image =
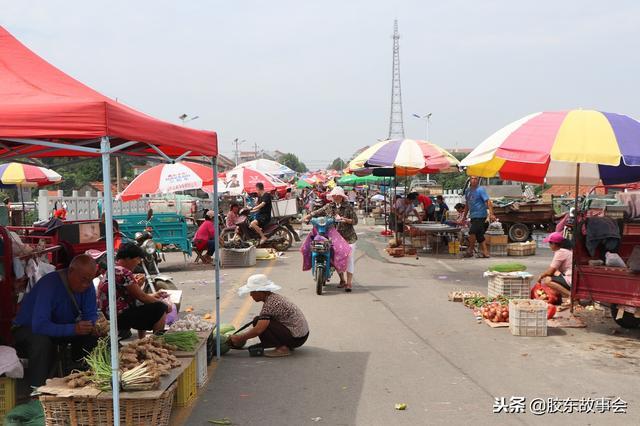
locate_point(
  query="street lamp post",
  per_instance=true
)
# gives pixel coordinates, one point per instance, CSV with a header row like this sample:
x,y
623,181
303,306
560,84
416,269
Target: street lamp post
x,y
427,119
237,143
185,118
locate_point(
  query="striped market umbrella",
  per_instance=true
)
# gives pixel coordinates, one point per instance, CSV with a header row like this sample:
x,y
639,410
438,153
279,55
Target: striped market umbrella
x,y
168,178
27,175
244,179
562,147
407,156
268,166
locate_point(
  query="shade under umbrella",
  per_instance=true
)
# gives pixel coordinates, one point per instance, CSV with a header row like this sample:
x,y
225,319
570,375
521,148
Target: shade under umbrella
x,y
168,178
558,147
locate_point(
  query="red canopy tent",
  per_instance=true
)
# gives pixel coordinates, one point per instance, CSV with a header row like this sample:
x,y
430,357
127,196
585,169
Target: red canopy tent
x,y
38,101
46,113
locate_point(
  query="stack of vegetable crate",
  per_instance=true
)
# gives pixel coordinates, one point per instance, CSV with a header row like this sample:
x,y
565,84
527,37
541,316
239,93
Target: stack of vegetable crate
x,y
7,396
509,285
528,317
195,375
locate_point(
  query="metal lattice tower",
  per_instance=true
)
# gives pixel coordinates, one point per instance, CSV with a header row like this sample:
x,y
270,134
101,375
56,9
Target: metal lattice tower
x,y
396,124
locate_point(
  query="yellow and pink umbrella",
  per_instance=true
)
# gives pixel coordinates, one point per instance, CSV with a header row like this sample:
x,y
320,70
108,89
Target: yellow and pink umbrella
x,y
27,175
562,147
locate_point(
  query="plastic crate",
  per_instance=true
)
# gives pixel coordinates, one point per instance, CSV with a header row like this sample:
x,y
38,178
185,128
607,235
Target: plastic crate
x,y
201,366
522,249
238,257
528,317
510,286
282,208
7,396
454,247
186,392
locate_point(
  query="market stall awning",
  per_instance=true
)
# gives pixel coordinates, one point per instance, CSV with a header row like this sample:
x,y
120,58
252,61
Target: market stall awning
x,y
38,101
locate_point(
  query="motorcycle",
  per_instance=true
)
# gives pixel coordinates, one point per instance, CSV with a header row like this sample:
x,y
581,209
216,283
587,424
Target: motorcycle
x,y
149,265
286,222
321,252
278,236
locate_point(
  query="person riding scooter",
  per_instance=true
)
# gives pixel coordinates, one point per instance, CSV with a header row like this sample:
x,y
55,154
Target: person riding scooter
x,y
263,210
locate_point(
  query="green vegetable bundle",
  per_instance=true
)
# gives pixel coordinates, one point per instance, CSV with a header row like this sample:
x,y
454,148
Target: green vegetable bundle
x,y
508,267
99,361
183,340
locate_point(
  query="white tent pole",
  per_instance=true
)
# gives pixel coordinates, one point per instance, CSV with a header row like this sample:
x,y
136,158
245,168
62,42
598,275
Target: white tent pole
x,y
111,276
216,225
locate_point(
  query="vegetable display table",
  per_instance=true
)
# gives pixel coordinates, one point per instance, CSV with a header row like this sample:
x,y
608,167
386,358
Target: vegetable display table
x,y
438,230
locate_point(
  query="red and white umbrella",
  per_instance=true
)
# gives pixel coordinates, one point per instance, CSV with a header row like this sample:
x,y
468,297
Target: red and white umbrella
x,y
167,178
244,179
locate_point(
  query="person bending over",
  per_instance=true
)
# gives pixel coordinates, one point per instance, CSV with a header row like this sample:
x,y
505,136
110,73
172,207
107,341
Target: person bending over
x,y
280,325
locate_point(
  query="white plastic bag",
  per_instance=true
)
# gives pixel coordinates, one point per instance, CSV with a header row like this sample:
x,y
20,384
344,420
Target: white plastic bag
x,y
614,260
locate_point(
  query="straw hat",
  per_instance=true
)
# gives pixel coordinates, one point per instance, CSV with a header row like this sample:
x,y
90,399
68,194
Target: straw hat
x,y
258,282
337,191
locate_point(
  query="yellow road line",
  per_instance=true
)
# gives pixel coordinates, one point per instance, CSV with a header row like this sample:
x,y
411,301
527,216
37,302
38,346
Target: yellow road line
x,y
180,415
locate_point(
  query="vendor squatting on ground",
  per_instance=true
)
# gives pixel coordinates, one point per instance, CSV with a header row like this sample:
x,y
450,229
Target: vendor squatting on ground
x,y
280,325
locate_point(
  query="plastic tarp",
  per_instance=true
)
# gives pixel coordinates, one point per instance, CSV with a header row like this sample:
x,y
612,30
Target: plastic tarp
x,y
38,101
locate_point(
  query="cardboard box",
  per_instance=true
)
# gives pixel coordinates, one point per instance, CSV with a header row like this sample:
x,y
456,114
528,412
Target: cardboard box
x,y
496,239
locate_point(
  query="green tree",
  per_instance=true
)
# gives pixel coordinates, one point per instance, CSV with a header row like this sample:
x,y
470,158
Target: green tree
x,y
337,164
76,175
293,162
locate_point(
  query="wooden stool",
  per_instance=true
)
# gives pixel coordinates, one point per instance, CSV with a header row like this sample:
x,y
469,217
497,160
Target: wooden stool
x,y
199,254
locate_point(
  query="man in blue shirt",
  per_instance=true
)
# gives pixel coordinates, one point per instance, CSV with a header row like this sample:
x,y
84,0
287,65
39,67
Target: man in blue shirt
x,y
477,206
61,308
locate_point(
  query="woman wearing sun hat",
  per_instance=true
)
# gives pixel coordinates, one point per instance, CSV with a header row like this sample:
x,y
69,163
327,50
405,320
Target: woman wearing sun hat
x,y
346,218
280,325
558,275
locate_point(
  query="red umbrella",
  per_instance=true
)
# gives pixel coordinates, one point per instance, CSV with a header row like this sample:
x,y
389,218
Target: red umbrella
x,y
166,178
244,179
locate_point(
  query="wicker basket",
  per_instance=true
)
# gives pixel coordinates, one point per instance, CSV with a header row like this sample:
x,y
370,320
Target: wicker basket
x,y
528,317
498,249
92,411
522,249
509,286
7,396
238,257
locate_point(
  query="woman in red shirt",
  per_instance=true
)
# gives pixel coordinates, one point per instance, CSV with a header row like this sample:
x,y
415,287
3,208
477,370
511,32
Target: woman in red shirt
x,y
205,237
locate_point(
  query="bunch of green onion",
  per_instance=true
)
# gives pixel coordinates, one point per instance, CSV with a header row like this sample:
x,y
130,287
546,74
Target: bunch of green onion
x,y
99,361
140,377
183,340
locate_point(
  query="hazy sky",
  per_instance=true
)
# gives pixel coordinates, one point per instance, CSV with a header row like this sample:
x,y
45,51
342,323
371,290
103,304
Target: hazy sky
x,y
314,77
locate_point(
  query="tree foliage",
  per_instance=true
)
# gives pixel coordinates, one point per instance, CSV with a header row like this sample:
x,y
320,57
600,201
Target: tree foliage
x,y
337,164
452,180
293,162
75,176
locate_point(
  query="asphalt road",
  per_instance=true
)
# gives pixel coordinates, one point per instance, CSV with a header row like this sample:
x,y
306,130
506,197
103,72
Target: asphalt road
x,y
396,339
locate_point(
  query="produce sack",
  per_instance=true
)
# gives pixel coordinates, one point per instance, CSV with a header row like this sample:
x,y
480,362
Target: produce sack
x,y
546,293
